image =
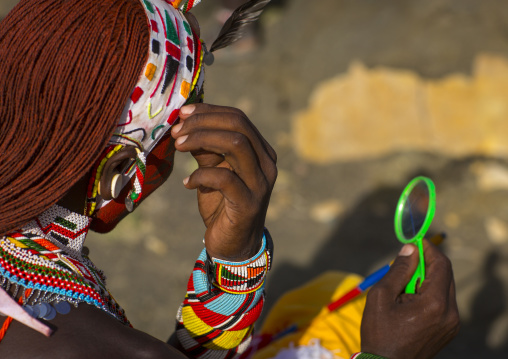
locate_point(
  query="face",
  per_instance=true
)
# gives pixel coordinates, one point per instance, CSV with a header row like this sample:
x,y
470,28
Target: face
x,y
159,165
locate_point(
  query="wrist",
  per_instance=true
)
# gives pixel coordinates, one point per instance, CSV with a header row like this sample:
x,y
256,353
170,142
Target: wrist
x,y
241,277
234,248
217,317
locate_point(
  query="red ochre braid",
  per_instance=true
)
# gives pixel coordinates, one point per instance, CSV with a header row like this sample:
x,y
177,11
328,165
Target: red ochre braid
x,y
68,69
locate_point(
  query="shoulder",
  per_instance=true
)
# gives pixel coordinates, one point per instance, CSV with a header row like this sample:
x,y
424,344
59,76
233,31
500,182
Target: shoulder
x,y
86,332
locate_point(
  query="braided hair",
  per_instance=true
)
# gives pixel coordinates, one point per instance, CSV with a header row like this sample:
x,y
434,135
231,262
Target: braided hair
x,y
67,68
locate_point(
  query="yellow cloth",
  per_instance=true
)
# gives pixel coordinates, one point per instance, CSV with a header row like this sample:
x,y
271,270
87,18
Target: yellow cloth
x,y
337,331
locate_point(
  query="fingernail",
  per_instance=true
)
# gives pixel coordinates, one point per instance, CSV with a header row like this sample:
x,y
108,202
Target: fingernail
x,y
187,110
177,128
407,250
186,180
181,140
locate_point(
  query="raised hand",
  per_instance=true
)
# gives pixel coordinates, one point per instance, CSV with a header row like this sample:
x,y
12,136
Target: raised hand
x,y
235,178
398,325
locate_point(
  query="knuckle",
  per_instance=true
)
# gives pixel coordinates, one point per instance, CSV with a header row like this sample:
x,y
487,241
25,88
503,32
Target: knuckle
x,y
262,185
238,112
272,152
272,175
235,116
445,264
456,326
435,308
454,321
197,174
238,140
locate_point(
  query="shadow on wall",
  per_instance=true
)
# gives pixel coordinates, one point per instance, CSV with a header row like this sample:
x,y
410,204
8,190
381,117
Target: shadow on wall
x,y
363,238
363,241
483,331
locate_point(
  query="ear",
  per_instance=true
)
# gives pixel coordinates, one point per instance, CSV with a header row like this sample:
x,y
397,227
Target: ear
x,y
112,171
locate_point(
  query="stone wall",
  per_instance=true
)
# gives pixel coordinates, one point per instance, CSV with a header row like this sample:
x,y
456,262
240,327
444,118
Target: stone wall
x,y
366,113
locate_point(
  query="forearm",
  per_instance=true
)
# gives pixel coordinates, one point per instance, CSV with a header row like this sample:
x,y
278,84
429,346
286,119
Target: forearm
x,y
223,301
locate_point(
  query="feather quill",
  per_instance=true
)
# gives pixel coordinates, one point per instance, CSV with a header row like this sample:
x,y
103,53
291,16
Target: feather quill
x,y
234,27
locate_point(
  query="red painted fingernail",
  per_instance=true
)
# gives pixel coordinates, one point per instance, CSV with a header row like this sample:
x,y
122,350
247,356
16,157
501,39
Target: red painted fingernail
x,y
187,110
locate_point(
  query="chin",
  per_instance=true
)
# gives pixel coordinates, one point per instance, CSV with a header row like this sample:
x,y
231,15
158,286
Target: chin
x,y
105,219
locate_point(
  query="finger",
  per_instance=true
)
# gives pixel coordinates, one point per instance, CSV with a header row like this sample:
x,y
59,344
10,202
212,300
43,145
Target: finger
x,y
400,273
234,146
232,123
223,112
222,180
207,158
439,273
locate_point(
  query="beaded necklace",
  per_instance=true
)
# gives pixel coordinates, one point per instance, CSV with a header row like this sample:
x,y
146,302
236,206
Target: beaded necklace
x,y
46,257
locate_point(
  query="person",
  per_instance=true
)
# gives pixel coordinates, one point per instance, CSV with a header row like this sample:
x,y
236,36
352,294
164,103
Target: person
x,y
90,96
95,99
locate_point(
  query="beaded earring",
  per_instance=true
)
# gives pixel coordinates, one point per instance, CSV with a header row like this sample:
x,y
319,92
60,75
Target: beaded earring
x,y
95,179
136,192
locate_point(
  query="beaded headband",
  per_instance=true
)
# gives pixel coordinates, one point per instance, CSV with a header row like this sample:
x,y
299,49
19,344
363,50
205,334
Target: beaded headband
x,y
173,76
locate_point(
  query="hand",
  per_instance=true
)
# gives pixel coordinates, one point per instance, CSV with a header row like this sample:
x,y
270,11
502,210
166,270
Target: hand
x,y
234,180
398,325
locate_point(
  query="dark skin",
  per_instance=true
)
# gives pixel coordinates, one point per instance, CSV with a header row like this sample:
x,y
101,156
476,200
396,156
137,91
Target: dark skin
x,y
236,174
400,326
234,180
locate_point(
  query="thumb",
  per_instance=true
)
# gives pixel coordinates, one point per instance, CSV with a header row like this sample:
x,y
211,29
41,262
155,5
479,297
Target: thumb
x,y
401,271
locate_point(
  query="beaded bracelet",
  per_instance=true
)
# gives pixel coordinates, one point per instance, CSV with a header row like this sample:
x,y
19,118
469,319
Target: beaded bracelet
x,y
217,316
366,356
242,277
195,348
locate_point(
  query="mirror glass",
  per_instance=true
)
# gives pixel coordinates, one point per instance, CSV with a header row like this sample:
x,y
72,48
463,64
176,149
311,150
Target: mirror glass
x,y
415,210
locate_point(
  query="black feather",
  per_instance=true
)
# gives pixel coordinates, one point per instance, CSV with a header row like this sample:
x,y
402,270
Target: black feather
x,y
234,27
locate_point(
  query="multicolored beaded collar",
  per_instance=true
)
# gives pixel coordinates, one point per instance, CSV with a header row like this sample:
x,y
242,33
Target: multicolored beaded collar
x,y
46,256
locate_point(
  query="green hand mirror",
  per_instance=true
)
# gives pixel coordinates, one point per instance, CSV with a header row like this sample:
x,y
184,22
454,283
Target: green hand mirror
x,y
413,216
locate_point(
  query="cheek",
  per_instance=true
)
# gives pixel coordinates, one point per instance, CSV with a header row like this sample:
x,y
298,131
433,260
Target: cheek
x,y
159,165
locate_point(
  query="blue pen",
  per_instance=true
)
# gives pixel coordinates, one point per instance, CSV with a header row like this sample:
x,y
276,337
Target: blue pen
x,y
360,288
374,278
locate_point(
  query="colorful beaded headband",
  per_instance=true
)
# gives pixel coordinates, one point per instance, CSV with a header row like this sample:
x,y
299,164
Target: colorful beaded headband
x,y
184,5
173,74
